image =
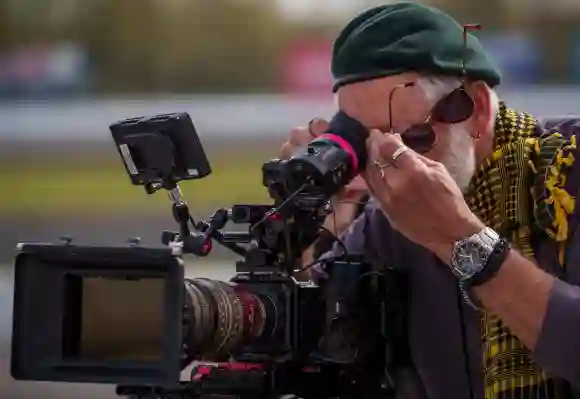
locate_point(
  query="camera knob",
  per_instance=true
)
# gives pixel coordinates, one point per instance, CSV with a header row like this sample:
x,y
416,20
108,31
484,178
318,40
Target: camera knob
x,y
169,237
134,241
66,239
197,244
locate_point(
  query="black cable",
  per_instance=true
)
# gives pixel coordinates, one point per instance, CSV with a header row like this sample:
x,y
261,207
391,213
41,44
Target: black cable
x,y
332,258
464,342
336,239
361,203
279,207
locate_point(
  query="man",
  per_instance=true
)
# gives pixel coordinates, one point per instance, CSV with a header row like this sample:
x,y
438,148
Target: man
x,y
487,316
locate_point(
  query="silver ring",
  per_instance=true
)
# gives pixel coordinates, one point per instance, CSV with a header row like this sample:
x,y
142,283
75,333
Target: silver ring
x,y
397,154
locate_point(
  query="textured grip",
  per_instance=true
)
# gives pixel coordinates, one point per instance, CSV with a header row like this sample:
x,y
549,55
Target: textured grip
x,y
353,132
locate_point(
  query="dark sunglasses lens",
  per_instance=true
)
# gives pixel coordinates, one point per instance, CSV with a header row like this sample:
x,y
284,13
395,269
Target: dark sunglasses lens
x,y
456,107
419,138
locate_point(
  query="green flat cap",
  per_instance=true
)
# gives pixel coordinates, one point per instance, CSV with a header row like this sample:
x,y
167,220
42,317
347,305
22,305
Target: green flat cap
x,y
403,37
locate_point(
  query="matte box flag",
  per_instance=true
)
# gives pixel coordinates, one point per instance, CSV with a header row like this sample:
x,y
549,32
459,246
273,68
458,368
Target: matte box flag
x,y
306,67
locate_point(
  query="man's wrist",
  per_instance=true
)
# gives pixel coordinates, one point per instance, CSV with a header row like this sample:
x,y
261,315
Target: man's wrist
x,y
494,263
444,250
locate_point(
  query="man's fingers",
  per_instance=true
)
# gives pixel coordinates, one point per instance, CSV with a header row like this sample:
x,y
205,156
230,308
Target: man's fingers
x,y
317,126
389,149
286,151
300,136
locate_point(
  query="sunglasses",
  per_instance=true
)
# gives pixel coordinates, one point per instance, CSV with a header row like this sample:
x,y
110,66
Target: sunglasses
x,y
455,107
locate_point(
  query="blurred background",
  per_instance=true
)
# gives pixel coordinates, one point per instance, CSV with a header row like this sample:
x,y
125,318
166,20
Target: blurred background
x,y
246,71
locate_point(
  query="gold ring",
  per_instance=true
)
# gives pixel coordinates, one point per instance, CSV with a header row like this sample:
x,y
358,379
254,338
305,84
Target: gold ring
x,y
382,174
382,166
397,154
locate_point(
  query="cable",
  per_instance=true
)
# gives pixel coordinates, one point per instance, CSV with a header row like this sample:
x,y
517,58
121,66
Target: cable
x,y
464,343
279,207
334,238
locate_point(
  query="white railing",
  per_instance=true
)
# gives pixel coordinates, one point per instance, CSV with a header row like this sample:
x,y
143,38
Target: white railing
x,y
221,115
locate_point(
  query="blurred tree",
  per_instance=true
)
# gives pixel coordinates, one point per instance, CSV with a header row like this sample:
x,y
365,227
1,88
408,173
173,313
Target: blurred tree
x,y
183,46
121,39
221,45
5,28
556,36
488,13
228,45
24,22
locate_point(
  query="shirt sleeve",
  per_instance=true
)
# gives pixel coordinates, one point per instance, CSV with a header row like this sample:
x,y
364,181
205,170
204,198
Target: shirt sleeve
x,y
558,347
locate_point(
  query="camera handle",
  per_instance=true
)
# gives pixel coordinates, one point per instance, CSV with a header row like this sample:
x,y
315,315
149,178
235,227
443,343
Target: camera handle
x,y
199,244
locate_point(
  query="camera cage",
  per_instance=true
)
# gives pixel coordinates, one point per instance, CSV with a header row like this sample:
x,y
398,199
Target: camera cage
x,y
158,152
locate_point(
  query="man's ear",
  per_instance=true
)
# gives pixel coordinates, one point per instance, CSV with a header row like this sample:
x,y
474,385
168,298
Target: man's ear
x,y
482,116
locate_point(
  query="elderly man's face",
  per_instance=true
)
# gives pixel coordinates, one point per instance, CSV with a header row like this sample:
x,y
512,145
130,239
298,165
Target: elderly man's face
x,y
368,102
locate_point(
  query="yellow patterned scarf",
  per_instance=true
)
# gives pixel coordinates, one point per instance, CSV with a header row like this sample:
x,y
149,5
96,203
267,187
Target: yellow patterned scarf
x,y
519,191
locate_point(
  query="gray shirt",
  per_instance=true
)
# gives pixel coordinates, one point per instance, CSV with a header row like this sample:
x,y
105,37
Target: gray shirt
x,y
444,332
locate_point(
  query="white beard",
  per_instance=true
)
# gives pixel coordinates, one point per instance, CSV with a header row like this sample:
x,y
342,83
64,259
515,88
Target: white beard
x,y
460,159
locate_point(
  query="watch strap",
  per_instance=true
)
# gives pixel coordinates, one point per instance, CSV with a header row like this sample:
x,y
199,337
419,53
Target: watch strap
x,y
468,298
492,265
489,271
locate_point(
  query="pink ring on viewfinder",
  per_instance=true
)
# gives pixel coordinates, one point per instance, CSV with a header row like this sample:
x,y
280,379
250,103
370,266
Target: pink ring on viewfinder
x,y
345,145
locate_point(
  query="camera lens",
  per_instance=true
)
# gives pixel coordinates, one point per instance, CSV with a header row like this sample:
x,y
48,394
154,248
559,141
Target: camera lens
x,y
221,318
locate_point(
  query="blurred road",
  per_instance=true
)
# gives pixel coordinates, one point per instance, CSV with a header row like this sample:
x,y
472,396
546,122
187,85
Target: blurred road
x,y
10,389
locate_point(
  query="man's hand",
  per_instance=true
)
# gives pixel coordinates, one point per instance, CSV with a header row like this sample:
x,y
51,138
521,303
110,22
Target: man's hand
x,y
418,196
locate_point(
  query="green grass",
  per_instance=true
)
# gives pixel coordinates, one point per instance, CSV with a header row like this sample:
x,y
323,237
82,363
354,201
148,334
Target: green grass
x,y
81,185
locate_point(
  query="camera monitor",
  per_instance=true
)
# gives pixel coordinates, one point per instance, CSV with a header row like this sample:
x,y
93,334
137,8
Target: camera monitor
x,y
97,314
160,150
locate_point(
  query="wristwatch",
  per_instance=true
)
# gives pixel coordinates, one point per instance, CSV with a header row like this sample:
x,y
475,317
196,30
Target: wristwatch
x,y
470,254
477,259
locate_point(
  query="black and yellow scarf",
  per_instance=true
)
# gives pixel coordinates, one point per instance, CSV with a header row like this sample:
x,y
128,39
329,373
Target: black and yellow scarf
x,y
519,192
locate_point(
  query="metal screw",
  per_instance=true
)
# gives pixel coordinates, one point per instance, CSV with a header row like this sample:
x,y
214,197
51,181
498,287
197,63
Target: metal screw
x,y
134,241
66,239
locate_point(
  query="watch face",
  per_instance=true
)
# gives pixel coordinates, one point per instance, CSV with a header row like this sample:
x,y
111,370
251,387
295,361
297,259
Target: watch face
x,y
469,258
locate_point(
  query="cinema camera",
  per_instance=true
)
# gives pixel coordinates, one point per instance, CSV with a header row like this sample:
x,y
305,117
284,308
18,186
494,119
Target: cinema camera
x,y
127,316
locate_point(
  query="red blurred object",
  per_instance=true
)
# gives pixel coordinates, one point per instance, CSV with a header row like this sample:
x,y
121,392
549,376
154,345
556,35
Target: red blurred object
x,y
306,67
207,246
275,216
206,370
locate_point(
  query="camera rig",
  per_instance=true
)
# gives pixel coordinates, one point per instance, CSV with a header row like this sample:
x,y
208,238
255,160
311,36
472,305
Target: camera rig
x,y
262,334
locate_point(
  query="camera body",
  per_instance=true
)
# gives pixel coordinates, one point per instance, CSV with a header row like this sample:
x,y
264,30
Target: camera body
x,y
129,316
298,306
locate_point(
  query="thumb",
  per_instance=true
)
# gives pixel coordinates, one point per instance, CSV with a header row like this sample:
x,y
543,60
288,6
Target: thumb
x,y
317,126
